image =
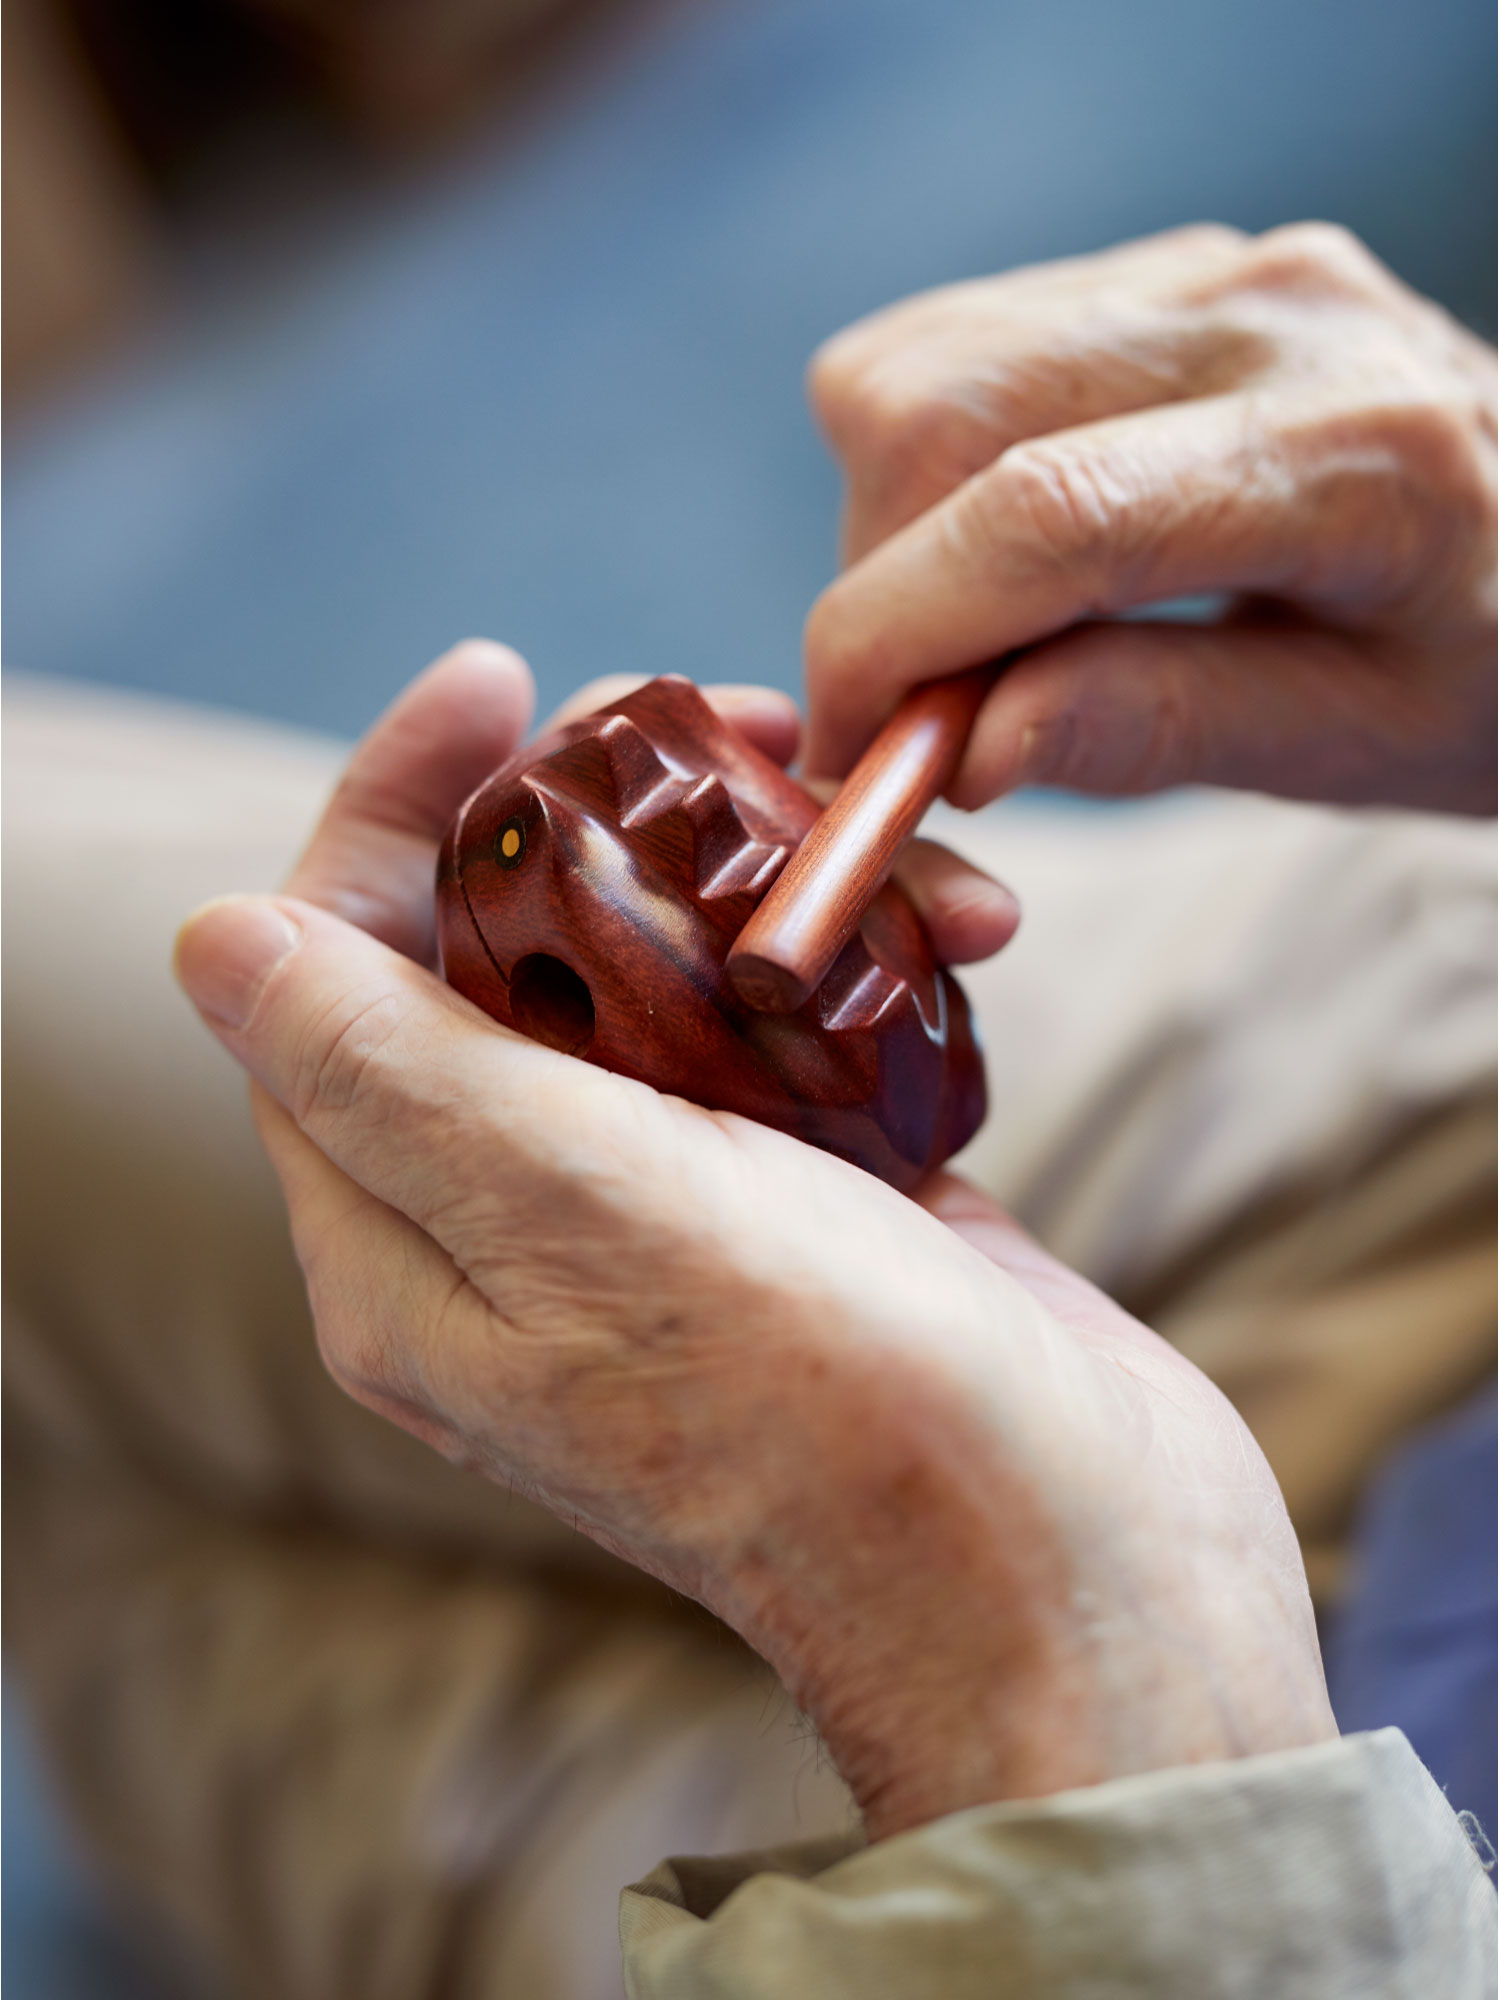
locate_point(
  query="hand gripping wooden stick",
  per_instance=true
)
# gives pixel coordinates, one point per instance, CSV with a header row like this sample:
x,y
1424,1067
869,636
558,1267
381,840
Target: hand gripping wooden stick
x,y
817,901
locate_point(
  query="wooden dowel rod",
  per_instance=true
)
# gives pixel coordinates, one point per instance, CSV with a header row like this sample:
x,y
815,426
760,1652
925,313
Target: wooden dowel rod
x,y
815,905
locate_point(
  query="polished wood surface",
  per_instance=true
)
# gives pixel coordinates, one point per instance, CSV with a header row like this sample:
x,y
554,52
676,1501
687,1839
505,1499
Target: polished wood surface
x,y
589,893
819,899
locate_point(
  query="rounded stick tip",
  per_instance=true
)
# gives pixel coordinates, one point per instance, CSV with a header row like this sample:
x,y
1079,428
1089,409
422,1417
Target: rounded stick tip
x,y
764,985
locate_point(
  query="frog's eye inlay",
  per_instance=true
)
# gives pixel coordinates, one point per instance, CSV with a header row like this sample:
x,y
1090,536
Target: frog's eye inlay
x,y
510,847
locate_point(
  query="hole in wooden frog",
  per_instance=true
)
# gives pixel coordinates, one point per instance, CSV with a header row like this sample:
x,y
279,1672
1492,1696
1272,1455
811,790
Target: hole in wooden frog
x,y
551,1004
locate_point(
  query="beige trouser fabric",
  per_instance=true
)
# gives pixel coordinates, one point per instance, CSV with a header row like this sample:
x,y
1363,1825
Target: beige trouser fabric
x,y
350,1722
1334,1873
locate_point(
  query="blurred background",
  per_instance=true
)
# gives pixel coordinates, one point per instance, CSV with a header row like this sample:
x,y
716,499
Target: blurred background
x,y
338,329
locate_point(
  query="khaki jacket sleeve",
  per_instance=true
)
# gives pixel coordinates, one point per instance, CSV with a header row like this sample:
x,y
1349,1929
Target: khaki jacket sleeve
x,y
1337,1872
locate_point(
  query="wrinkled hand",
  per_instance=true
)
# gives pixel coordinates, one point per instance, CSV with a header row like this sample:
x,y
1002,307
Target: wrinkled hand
x,y
1274,419
996,1537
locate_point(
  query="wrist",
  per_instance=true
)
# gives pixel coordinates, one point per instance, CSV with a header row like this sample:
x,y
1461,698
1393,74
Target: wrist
x,y
921,1614
958,1648
918,1742
976,1595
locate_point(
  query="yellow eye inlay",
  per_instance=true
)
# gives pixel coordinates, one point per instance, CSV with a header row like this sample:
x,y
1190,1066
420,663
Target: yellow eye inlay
x,y
510,844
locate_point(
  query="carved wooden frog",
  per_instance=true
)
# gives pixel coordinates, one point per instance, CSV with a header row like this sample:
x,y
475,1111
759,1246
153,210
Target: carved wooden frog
x,y
589,895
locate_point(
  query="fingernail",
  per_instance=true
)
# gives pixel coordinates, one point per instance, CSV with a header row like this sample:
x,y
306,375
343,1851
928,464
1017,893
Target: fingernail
x,y
227,951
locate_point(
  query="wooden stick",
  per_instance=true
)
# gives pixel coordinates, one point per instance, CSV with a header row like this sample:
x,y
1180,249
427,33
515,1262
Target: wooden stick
x,y
816,903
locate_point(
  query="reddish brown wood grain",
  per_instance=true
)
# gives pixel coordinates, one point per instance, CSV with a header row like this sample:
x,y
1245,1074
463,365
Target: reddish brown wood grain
x,y
819,899
589,894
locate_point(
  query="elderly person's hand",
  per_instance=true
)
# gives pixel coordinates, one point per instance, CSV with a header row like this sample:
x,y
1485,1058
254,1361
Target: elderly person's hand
x,y
1275,420
997,1538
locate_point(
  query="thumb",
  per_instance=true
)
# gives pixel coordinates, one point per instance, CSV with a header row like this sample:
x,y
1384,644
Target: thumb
x,y
423,1102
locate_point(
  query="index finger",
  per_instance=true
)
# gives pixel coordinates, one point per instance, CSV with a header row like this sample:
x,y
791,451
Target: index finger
x,y
1200,497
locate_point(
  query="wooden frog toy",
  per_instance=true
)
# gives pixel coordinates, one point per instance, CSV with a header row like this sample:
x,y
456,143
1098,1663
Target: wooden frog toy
x,y
609,892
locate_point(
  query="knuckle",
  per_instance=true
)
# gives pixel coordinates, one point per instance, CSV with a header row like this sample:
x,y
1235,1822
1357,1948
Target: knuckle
x,y
338,1053
1437,434
361,1361
925,439
353,1360
835,384
356,1330
1426,460
903,412
348,1344
1064,502
1203,238
1320,257
904,423
1124,745
1443,458
1167,742
943,432
1457,438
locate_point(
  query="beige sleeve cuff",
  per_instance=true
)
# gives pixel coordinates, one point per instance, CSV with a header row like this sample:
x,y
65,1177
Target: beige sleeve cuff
x,y
1337,1872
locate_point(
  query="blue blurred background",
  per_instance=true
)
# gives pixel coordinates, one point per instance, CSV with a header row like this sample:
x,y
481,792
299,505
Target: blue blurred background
x,y
360,381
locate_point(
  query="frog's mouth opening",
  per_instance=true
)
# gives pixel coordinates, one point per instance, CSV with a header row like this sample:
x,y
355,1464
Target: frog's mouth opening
x,y
551,1004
